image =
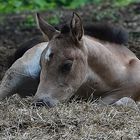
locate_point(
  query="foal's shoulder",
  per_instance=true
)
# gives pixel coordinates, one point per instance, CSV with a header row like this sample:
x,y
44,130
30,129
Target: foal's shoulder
x,y
107,32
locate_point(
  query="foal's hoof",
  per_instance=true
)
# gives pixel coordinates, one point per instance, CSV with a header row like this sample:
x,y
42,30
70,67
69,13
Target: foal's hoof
x,y
127,102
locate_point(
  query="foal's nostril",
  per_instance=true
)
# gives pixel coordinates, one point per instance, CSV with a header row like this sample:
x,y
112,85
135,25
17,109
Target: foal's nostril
x,y
43,102
38,103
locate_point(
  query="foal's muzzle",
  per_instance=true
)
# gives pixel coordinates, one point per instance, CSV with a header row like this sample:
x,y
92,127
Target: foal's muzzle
x,y
44,102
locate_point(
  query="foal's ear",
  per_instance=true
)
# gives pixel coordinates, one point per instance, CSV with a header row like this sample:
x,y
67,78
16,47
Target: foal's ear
x,y
77,26
47,29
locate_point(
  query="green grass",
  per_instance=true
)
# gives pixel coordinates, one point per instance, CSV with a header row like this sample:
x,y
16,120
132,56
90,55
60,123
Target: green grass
x,y
17,6
31,22
121,3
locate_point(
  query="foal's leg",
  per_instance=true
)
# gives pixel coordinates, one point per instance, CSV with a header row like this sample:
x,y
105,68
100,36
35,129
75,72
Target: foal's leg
x,y
9,83
16,81
112,97
23,75
127,102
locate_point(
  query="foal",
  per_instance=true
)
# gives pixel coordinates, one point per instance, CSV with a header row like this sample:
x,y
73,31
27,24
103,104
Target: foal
x,y
71,63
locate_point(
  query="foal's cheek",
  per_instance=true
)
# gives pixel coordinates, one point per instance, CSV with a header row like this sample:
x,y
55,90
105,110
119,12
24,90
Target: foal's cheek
x,y
82,70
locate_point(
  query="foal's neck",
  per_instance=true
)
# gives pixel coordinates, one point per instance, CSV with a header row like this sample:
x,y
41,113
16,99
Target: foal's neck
x,y
102,61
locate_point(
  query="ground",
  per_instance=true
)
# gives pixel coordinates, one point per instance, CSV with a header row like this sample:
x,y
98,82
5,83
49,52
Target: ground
x,y
76,120
69,121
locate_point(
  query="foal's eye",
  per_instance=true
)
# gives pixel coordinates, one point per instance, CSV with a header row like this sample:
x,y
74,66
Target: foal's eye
x,y
66,67
51,55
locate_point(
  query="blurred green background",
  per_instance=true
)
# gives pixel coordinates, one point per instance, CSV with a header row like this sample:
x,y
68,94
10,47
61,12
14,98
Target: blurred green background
x,y
17,6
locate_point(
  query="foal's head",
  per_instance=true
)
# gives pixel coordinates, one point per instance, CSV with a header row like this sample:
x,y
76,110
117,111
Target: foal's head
x,y
63,62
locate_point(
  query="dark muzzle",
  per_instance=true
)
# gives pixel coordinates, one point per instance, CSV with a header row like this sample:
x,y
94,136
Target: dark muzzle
x,y
44,102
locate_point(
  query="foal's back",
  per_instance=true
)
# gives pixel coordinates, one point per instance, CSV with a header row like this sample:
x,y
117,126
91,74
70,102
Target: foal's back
x,y
122,53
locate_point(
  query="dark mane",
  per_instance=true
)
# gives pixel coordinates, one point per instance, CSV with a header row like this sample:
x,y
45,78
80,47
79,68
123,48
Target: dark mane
x,y
105,32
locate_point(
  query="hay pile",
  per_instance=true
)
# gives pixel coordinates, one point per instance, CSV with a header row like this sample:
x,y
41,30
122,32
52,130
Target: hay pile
x,y
75,121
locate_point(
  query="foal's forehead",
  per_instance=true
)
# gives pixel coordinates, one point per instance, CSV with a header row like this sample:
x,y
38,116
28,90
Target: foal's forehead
x,y
61,49
61,46
61,40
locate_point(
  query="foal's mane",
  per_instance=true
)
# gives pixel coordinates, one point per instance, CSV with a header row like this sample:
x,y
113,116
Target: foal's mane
x,y
105,32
